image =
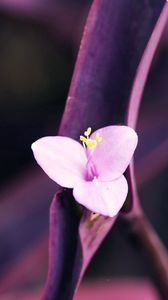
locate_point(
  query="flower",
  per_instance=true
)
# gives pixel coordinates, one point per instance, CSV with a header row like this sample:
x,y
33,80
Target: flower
x,y
94,171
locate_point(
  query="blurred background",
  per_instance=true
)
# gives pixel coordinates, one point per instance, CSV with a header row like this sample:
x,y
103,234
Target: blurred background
x,y
38,49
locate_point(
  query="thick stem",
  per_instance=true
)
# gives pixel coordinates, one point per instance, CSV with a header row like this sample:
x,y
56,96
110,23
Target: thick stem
x,y
155,250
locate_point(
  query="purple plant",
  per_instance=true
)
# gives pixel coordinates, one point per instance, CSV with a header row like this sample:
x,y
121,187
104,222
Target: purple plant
x,y
116,52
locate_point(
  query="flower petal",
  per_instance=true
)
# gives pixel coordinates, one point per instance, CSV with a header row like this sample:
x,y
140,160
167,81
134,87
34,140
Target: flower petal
x,y
113,154
62,158
105,198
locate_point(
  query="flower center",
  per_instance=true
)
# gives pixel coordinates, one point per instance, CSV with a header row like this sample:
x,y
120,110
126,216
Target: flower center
x,y
90,144
87,141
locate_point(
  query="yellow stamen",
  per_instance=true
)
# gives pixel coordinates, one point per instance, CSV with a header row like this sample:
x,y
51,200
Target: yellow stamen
x,y
90,143
98,137
88,131
83,139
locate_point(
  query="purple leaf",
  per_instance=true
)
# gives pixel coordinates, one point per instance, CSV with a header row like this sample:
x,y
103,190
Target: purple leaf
x,y
136,95
65,255
115,36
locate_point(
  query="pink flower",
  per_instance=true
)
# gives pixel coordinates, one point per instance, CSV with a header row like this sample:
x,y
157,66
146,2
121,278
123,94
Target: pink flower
x,y
95,171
